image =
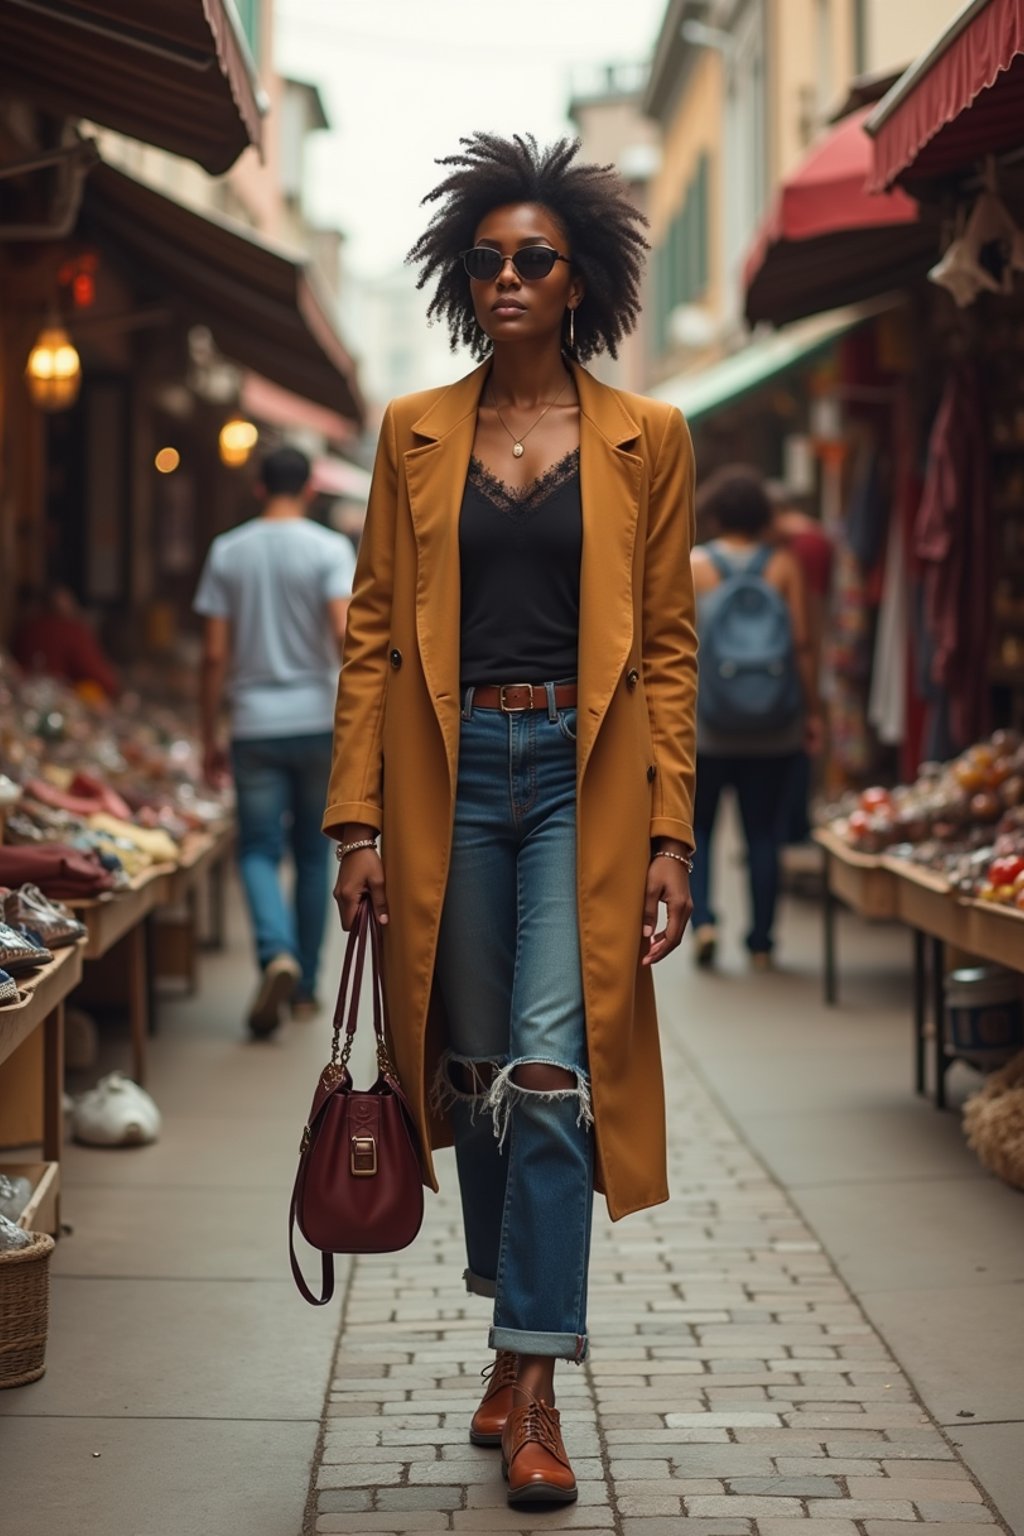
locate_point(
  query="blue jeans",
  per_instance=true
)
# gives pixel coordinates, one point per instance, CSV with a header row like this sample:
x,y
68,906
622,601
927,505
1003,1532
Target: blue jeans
x,y
509,973
760,784
281,780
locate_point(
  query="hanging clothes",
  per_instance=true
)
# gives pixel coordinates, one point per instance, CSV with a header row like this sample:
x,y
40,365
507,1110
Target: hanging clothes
x,y
887,702
953,540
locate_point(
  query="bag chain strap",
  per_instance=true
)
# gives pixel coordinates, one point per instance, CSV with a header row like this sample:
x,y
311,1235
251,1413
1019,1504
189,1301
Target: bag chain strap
x,y
354,964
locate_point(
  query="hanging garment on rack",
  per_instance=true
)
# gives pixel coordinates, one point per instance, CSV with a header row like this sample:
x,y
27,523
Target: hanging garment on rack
x,y
887,702
953,539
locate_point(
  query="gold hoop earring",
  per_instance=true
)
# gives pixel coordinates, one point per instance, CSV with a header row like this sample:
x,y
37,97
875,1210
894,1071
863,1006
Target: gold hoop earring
x,y
572,330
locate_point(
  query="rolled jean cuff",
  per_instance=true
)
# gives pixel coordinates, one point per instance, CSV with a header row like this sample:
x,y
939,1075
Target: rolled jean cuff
x,y
562,1346
477,1285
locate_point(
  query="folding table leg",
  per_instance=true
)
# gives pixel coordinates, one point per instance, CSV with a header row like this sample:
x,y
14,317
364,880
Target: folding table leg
x,y
829,909
920,1009
138,997
939,1019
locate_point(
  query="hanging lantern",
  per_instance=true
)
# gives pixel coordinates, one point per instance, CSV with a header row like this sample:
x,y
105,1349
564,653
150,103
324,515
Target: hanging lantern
x,y
53,370
237,440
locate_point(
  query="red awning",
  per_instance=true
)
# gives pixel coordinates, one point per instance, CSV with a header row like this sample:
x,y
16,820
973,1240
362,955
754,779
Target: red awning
x,y
174,73
961,101
826,241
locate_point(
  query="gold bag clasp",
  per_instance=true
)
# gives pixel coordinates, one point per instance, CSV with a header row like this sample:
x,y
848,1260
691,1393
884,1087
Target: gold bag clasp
x,y
363,1157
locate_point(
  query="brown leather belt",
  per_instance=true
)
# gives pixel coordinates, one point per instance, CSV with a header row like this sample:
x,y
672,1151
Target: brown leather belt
x,y
512,698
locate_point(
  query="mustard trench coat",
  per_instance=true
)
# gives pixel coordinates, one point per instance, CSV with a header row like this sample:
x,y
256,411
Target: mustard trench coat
x,y
396,745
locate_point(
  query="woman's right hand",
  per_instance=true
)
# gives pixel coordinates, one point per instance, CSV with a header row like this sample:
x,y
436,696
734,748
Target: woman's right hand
x,y
359,872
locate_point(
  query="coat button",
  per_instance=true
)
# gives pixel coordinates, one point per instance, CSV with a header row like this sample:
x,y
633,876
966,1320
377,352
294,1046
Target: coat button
x,y
650,774
632,677
395,659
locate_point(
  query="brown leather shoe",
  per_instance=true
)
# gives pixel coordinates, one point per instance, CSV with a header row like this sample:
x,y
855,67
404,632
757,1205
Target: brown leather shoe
x,y
496,1403
533,1456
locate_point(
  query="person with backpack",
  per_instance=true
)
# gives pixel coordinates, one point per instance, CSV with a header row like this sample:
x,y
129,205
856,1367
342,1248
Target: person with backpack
x,y
758,701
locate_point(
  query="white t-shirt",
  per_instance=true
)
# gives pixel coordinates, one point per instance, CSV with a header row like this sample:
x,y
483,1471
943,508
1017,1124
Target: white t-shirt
x,y
273,580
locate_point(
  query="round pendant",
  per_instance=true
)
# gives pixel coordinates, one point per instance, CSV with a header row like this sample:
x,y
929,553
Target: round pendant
x,y
518,450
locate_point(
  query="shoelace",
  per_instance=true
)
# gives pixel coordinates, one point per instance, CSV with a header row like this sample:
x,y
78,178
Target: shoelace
x,y
501,1372
538,1423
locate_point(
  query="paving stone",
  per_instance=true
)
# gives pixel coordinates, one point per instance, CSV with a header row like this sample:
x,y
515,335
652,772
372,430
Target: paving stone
x,y
669,1526
337,1449
821,1466
565,1517
867,1509
794,1487
342,1501
724,1420
384,1524
940,1528
628,1505
804,1527
420,1498
915,1489
966,1514
359,1475
750,1509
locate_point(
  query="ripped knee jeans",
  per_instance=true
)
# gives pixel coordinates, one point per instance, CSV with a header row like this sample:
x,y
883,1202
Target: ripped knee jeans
x,y
515,1078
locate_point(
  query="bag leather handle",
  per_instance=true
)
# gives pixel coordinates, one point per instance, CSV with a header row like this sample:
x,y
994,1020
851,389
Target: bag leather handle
x,y
326,1260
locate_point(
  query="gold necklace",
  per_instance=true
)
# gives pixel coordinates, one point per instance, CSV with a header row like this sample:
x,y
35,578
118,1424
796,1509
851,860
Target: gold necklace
x,y
517,442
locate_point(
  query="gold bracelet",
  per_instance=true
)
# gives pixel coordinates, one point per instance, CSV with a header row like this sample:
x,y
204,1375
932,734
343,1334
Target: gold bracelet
x,y
669,853
342,848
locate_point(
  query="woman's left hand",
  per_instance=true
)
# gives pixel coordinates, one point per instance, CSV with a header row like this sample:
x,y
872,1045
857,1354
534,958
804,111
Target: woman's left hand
x,y
668,883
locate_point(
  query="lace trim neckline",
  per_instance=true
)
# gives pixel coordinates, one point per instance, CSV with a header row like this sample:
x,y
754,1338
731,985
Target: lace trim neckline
x,y
518,500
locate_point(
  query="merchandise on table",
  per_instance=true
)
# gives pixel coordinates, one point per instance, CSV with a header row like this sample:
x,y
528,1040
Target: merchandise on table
x,y
15,1193
94,798
963,820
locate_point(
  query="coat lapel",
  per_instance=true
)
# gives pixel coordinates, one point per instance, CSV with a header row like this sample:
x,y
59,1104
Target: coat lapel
x,y
611,482
436,478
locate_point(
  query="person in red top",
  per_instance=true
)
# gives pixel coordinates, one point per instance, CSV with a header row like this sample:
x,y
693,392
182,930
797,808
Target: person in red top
x,y
56,640
813,551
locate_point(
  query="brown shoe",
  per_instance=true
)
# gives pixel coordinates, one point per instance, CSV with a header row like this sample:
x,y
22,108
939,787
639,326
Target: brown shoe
x,y
496,1403
533,1456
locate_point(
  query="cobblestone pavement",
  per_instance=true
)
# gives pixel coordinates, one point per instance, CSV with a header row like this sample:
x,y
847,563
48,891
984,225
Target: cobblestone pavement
x,y
732,1380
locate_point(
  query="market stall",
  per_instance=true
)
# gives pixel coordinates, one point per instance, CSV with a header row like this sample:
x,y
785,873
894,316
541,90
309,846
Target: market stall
x,y
945,857
103,828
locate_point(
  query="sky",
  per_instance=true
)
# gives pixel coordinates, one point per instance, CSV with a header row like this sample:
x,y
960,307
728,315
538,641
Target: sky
x,y
403,79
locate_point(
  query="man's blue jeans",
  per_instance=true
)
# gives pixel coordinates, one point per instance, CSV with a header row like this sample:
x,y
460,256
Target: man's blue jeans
x,y
508,969
281,784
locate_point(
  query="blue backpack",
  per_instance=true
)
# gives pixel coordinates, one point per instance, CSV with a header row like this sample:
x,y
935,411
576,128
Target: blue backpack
x,y
748,673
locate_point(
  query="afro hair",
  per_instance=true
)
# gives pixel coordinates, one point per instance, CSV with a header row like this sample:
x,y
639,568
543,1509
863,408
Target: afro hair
x,y
589,201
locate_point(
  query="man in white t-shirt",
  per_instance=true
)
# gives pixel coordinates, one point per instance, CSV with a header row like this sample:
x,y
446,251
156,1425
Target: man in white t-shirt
x,y
274,594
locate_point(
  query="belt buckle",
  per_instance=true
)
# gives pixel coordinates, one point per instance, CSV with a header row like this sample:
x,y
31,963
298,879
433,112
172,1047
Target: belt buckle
x,y
514,709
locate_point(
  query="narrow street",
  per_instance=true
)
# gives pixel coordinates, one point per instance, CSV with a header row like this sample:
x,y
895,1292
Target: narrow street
x,y
823,1222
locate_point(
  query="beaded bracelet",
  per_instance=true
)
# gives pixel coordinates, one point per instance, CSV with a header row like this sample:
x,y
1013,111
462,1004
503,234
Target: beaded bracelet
x,y
342,848
683,858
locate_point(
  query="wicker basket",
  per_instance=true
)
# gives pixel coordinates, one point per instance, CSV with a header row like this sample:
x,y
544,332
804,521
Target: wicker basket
x,y
24,1311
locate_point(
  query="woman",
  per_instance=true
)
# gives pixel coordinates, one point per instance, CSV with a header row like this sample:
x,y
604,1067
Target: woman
x,y
757,762
516,718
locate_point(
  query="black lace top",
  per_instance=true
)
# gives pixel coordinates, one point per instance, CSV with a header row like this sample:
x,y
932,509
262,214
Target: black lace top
x,y
520,554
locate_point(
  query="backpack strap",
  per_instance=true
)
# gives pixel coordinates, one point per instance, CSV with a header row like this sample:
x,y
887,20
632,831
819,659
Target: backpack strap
x,y
761,561
721,563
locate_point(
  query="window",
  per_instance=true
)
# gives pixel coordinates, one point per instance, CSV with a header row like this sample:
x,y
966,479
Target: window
x,y
860,37
682,260
249,16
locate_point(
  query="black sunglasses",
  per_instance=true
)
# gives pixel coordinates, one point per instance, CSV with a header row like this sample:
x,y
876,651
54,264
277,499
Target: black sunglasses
x,y
532,262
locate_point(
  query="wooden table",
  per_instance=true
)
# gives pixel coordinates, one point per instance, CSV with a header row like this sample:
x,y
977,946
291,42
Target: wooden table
x,y
855,880
43,1005
938,918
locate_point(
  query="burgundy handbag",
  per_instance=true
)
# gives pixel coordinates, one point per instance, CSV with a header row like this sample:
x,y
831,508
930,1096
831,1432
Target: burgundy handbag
x,y
359,1188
